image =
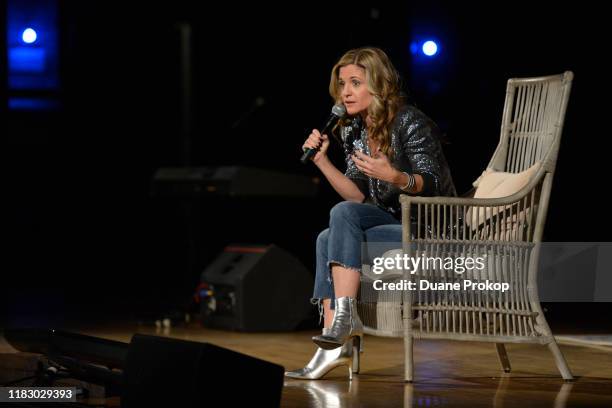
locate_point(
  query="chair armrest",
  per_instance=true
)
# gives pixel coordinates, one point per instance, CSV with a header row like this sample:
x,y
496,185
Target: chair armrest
x,y
512,217
406,199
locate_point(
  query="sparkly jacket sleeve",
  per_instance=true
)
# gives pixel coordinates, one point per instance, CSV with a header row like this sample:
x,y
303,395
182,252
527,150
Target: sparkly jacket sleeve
x,y
420,144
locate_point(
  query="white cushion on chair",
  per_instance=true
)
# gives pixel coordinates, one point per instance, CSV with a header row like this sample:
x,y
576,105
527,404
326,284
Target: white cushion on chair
x,y
498,184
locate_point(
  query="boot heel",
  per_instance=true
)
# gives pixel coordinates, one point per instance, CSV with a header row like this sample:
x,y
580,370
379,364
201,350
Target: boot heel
x,y
357,350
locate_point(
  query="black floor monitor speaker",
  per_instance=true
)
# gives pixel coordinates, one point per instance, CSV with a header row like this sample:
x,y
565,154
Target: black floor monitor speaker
x,y
153,371
256,288
166,372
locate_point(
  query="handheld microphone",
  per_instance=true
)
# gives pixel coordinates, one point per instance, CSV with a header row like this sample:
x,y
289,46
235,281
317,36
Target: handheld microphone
x,y
338,112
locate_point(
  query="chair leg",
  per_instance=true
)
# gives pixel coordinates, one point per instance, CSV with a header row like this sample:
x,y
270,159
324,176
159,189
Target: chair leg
x,y
503,357
408,359
552,346
560,361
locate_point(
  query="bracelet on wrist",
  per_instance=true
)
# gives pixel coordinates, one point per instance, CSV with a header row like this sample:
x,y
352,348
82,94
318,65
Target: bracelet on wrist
x,y
411,182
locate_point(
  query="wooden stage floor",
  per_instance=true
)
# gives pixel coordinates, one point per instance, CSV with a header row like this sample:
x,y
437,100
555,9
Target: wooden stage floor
x,y
447,374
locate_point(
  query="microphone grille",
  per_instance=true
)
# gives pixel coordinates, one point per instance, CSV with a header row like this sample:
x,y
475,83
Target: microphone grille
x,y
339,110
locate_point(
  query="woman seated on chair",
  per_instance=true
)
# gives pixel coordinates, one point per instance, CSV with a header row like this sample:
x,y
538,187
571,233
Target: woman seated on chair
x,y
391,148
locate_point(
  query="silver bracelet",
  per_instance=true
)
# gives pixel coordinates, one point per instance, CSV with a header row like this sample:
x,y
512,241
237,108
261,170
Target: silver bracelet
x,y
411,182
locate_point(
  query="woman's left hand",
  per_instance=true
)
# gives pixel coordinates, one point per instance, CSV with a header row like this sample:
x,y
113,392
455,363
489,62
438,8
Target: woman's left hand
x,y
378,167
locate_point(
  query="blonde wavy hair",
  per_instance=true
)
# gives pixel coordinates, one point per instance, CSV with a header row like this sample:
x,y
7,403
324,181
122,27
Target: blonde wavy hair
x,y
383,82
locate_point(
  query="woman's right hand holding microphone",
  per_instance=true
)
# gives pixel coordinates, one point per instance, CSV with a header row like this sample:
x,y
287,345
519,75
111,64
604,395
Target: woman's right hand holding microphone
x,y
315,139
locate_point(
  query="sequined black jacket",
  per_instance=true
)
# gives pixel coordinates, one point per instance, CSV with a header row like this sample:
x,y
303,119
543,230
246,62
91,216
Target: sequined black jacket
x,y
415,141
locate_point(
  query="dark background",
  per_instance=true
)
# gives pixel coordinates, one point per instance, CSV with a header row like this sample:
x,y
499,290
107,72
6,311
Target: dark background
x,y
84,237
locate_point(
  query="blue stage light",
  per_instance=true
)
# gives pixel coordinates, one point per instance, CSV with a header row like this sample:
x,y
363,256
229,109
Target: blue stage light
x,y
430,48
32,51
29,35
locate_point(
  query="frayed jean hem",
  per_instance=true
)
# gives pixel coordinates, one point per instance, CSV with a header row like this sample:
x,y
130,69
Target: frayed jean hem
x,y
355,268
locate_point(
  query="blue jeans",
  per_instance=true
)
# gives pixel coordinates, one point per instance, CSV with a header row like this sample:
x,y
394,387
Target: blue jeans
x,y
350,224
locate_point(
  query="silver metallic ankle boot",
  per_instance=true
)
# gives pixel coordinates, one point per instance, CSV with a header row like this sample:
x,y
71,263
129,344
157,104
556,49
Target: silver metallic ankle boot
x,y
346,325
326,360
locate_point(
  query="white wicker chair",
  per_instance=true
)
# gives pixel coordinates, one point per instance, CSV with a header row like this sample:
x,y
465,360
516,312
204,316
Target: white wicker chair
x,y
506,229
